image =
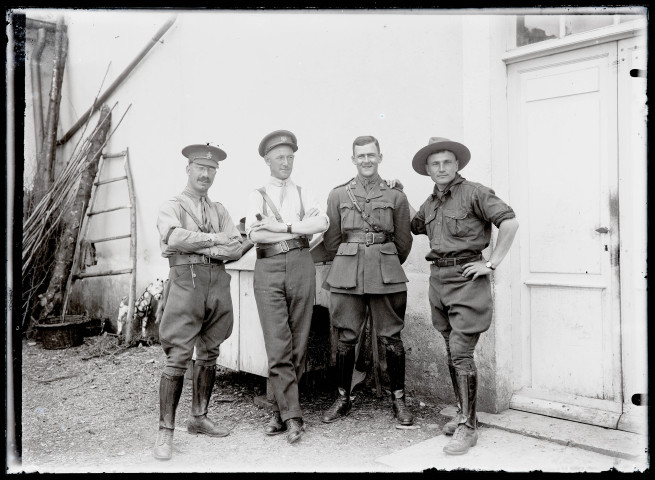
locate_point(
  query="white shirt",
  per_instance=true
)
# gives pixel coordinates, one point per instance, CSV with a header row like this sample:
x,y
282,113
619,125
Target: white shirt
x,y
289,210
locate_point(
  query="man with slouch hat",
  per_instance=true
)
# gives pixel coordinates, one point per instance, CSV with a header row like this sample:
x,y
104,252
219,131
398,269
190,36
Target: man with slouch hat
x,y
457,218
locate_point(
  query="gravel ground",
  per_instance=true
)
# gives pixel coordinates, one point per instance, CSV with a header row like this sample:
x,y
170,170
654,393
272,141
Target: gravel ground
x,y
95,408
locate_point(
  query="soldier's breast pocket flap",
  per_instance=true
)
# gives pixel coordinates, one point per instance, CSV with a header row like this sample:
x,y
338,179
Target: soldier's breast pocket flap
x,y
384,212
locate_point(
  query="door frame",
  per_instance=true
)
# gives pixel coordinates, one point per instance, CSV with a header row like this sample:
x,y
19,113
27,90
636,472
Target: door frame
x,y
633,164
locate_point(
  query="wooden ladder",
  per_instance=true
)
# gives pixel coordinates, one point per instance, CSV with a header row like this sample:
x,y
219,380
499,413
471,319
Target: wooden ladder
x,y
77,271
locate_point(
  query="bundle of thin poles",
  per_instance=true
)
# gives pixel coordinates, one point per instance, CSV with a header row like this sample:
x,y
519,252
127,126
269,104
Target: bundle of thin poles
x,y
43,224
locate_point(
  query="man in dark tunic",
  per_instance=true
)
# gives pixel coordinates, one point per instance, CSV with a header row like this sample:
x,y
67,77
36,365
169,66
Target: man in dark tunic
x,y
369,237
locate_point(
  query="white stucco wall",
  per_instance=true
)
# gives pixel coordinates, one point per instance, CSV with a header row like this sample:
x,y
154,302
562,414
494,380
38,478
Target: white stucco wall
x,y
232,77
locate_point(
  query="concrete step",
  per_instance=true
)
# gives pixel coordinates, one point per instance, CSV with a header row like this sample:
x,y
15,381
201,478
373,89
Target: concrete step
x,y
504,451
615,443
515,441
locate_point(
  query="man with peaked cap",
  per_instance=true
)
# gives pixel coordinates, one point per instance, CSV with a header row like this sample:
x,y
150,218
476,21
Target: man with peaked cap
x,y
369,238
196,236
457,218
280,221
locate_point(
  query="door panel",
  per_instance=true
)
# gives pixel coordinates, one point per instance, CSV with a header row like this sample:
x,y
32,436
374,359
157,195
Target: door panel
x,y
563,166
576,311
563,149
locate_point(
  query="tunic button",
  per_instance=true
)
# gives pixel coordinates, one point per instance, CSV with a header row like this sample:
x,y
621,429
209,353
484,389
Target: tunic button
x,y
368,200
366,230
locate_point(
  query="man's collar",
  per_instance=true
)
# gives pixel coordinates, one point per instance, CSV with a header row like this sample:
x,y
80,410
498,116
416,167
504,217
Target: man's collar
x,y
455,181
368,181
280,183
193,195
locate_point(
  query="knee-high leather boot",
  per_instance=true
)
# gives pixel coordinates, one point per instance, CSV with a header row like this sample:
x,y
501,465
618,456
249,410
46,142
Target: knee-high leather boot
x,y
170,389
450,427
466,434
395,355
345,365
203,383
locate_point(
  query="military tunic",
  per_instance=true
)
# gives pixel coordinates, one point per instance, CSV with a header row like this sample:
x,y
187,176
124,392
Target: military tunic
x,y
198,309
367,274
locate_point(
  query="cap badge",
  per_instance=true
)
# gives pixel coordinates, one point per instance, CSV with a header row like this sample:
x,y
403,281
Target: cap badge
x,y
284,139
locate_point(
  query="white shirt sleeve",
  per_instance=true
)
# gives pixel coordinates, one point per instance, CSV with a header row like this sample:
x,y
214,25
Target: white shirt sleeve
x,y
309,202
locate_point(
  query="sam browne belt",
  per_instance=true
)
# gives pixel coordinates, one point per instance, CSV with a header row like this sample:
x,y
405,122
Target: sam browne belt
x,y
193,259
269,249
368,238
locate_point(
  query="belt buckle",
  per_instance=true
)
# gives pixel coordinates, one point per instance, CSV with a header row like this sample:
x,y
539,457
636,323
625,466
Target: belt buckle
x,y
205,259
285,246
366,238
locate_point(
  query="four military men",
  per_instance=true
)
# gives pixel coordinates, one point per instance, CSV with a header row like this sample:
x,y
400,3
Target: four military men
x,y
368,230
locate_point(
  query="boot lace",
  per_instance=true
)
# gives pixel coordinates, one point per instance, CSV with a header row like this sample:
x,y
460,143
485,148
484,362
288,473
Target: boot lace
x,y
460,433
165,437
401,408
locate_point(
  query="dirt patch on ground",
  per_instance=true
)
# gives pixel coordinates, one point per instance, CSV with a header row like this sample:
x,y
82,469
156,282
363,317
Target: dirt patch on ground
x,y
95,408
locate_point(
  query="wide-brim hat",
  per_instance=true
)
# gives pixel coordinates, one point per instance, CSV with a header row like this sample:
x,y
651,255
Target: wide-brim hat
x,y
276,138
462,153
204,154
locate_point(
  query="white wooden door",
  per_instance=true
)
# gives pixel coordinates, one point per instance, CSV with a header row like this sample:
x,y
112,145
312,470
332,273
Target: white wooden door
x,y
563,154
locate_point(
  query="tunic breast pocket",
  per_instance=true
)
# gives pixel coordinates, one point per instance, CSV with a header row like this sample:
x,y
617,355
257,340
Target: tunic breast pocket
x,y
347,212
383,212
458,222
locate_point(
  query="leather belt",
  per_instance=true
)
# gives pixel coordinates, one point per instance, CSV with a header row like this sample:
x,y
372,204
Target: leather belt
x,y
192,259
269,249
368,238
451,262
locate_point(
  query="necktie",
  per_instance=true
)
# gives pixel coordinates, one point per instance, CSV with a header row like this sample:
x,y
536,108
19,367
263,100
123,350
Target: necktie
x,y
205,214
283,193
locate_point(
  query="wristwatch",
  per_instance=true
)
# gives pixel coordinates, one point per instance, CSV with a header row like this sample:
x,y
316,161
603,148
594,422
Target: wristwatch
x,y
289,228
489,265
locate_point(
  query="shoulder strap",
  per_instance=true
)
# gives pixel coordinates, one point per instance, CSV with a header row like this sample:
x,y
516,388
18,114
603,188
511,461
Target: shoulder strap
x,y
191,214
268,201
344,184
